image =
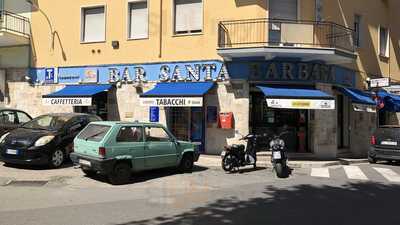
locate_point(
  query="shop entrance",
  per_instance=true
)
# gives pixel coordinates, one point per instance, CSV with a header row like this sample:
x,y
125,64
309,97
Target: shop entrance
x,y
187,124
273,121
98,107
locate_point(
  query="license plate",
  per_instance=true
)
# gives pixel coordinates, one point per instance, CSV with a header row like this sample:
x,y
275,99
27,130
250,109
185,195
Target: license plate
x,y
388,143
84,162
276,155
12,152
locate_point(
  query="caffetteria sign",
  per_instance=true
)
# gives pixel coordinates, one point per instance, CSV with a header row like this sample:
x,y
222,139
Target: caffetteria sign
x,y
172,101
67,101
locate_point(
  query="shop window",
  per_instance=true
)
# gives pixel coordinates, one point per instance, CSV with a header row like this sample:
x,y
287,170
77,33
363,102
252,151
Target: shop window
x,y
188,16
156,134
357,30
130,134
383,41
138,20
93,24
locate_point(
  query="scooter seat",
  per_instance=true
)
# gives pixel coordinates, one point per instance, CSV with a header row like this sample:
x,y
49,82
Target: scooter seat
x,y
240,147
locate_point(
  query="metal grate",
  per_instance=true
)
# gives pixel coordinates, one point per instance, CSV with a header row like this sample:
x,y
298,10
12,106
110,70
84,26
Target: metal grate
x,y
27,183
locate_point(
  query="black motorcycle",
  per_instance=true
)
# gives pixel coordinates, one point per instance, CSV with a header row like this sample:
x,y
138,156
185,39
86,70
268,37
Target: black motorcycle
x,y
235,156
279,158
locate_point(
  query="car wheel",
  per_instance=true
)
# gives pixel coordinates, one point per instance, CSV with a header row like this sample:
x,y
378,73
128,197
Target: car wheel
x,y
121,174
57,158
371,160
186,165
89,173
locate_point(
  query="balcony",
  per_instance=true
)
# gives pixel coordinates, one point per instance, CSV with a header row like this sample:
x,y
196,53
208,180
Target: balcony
x,y
274,39
14,29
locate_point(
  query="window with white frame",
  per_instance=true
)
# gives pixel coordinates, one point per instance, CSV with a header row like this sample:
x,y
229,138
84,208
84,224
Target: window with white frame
x,y
138,19
383,41
93,24
357,30
188,16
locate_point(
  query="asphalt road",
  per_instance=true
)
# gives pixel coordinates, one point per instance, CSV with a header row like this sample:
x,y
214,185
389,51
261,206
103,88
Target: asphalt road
x,y
207,196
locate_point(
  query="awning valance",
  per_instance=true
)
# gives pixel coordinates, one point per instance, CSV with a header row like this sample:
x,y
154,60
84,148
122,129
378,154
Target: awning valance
x,y
357,96
75,95
176,94
297,98
79,91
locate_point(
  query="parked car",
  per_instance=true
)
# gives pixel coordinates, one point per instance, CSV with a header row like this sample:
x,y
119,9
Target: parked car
x,y
385,144
11,119
45,140
116,149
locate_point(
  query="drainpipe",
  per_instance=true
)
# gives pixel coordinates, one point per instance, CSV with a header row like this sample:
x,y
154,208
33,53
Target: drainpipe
x,y
161,29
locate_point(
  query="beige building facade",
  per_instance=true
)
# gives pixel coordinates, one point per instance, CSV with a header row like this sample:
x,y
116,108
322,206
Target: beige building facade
x,y
248,51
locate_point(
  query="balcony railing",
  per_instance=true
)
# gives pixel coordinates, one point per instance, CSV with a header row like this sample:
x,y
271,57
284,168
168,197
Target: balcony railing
x,y
14,23
284,33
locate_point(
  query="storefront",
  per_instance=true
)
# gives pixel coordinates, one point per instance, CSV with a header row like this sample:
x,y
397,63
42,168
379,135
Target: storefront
x,y
184,106
91,99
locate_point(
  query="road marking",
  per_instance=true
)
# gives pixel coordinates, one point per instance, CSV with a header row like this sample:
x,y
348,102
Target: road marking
x,y
320,172
389,174
354,172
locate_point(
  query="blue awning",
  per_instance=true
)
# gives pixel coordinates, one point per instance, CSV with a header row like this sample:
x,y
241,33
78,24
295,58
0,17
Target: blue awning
x,y
391,102
294,93
79,91
357,96
179,89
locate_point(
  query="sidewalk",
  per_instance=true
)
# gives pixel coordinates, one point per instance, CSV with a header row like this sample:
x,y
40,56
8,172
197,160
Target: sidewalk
x,y
264,159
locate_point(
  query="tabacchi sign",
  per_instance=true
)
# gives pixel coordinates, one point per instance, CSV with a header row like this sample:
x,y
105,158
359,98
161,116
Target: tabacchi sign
x,y
172,101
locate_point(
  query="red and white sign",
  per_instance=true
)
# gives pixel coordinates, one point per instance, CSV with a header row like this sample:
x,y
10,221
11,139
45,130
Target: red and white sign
x,y
381,82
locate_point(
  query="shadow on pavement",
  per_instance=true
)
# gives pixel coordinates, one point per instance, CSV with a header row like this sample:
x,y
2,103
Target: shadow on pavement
x,y
355,203
66,164
150,175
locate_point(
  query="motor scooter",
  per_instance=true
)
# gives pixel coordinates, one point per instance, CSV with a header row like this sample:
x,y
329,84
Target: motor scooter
x,y
235,156
279,158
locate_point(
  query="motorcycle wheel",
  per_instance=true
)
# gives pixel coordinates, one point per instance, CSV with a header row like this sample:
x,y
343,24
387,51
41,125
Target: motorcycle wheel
x,y
281,170
228,162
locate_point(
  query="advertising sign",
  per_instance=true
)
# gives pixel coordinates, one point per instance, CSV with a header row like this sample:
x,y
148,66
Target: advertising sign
x,y
154,114
364,108
301,104
172,101
381,82
67,101
91,75
50,76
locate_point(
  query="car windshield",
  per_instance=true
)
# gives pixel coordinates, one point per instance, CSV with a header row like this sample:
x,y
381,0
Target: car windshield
x,y
47,122
94,132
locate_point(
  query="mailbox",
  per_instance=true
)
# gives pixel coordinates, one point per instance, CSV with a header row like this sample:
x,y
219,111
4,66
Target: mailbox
x,y
226,120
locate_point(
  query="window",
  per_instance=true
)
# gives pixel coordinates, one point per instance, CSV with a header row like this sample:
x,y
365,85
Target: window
x,y
156,134
93,24
357,30
23,117
283,9
130,134
8,117
94,132
138,20
188,16
383,42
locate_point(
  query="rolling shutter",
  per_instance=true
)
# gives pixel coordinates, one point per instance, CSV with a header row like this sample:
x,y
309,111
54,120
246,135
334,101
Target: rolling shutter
x,y
139,24
188,15
94,24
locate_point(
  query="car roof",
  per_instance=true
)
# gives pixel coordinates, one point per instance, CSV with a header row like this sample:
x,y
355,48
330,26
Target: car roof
x,y
127,123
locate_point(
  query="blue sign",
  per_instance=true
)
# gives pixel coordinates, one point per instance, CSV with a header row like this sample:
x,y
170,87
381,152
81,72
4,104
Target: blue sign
x,y
49,76
154,114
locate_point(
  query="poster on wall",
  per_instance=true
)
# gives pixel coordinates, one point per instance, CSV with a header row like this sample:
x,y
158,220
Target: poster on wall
x,y
301,104
91,75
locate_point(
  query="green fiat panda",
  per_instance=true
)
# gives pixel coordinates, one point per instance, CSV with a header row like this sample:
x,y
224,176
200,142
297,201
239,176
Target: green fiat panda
x,y
116,149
